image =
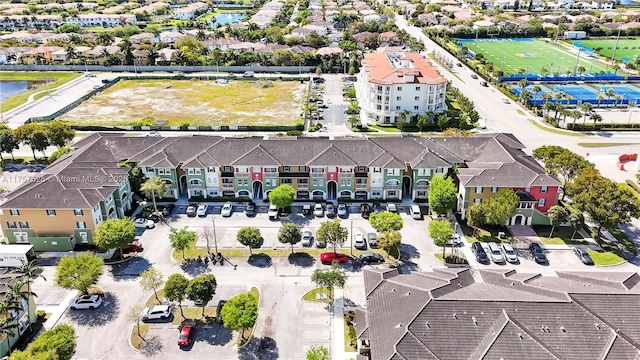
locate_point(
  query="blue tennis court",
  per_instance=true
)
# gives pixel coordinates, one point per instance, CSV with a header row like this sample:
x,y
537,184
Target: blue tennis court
x,y
574,95
626,92
577,92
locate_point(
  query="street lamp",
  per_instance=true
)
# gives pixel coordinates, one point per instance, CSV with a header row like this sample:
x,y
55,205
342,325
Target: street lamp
x,y
215,239
351,238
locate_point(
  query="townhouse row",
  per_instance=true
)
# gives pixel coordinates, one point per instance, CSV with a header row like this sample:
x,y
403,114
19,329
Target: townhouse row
x,y
63,206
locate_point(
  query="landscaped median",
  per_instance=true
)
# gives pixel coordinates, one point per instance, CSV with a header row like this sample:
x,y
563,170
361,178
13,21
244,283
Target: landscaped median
x,y
605,258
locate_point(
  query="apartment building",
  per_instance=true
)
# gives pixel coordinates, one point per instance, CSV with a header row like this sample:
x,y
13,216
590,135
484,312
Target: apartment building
x,y
103,20
190,11
23,315
392,83
20,22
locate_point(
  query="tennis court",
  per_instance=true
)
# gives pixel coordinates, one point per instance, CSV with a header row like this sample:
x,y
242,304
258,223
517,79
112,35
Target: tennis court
x,y
574,95
532,55
628,49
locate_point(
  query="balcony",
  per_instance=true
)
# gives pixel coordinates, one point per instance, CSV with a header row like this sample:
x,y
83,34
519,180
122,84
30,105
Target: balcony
x,y
422,187
195,186
392,187
227,187
302,187
270,175
345,175
361,186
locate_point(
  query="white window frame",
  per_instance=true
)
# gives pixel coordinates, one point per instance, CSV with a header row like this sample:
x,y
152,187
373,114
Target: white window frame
x,y
478,189
542,202
81,225
14,212
51,212
544,189
494,189
78,212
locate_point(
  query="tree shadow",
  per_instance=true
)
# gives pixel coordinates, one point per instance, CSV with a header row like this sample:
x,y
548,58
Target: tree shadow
x,y
106,313
410,251
130,269
151,346
298,219
260,260
301,259
215,334
195,268
259,349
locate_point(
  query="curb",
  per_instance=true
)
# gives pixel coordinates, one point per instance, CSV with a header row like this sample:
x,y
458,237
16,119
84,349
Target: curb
x,y
256,324
129,341
121,261
612,265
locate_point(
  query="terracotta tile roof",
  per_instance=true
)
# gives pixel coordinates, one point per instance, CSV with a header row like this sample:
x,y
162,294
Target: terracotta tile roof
x,y
393,68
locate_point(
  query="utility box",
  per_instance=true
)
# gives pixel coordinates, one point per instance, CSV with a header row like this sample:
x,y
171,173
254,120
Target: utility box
x,y
14,255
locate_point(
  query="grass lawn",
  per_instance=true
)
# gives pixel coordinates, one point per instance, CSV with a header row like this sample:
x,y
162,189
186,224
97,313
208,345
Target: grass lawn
x,y
53,80
509,56
623,239
486,234
311,295
137,340
627,48
603,258
152,299
561,235
193,102
448,259
391,129
348,347
554,130
195,313
601,145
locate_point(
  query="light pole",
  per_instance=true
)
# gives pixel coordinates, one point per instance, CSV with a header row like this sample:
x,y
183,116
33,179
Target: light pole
x,y
215,239
575,67
351,238
615,49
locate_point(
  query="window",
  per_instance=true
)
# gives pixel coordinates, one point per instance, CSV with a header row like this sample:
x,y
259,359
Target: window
x,y
211,169
424,172
417,88
377,170
478,189
417,98
317,170
227,168
544,189
527,189
376,193
303,181
416,107
14,212
399,88
439,170
541,202
398,98
81,225
270,182
379,88
51,212
393,172
477,201
345,182
77,212
378,107
494,189
271,170
163,171
397,107
318,182
286,168
361,169
24,225
148,169
286,181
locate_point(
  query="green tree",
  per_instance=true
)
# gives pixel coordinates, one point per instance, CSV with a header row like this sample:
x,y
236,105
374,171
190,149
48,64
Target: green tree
x,y
29,271
440,231
181,239
59,153
151,279
400,123
318,353
175,289
423,122
289,233
546,152
501,207
240,313
8,142
59,343
115,233
282,196
331,232
33,135
390,242
557,215
475,217
134,315
249,236
60,133
385,221
154,187
576,219
442,195
201,289
8,325
329,278
78,272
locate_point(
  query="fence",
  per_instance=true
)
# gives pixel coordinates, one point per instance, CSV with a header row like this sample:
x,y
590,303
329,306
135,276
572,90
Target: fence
x,y
596,78
167,68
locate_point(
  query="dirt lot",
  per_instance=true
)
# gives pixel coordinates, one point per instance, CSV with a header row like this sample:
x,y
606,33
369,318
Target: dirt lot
x,y
196,102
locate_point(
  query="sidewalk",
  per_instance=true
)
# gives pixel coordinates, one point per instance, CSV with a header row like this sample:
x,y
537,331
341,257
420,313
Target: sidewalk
x,y
57,311
337,325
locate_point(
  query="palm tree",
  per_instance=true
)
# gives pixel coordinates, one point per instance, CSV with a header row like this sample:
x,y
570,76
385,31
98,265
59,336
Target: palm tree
x,y
104,38
7,326
30,271
595,117
536,89
152,55
576,114
200,35
71,53
617,98
586,107
600,97
610,92
525,96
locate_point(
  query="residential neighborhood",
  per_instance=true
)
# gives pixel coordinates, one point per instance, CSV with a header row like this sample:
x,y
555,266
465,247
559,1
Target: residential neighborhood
x,y
317,179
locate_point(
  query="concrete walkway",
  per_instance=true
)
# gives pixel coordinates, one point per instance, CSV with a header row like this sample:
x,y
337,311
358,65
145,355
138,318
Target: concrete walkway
x,y
57,311
337,325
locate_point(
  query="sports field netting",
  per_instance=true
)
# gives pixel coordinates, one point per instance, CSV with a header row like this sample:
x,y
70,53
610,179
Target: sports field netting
x,y
532,55
628,94
628,49
577,92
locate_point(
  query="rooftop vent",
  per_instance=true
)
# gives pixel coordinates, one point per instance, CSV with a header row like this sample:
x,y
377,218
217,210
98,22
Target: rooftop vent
x,y
520,336
455,316
428,326
598,326
475,322
408,292
563,329
398,326
393,290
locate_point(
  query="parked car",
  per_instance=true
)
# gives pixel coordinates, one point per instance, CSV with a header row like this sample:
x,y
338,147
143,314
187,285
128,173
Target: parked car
x,y
459,65
191,210
509,253
96,87
227,209
307,209
104,81
307,238
455,240
474,76
330,210
370,257
250,209
85,302
583,255
373,240
167,210
186,334
320,104
506,101
538,253
318,210
156,312
415,212
248,74
144,223
342,210
496,254
392,208
318,80
365,210
358,242
320,244
331,257
272,212
481,255
484,83
202,209
88,74
135,246
219,311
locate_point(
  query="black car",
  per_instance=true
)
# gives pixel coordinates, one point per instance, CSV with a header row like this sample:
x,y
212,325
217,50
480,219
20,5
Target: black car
x,y
191,210
365,210
584,256
219,311
538,253
104,81
250,209
167,210
481,255
371,257
307,209
318,80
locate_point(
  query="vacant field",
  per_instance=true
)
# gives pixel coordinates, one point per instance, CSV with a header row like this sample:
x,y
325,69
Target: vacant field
x,y
196,102
532,56
627,48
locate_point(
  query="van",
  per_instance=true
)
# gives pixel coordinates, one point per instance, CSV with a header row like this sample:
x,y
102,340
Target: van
x,y
415,212
495,253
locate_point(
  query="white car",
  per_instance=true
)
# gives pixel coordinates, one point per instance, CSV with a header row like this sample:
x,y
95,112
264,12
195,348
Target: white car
x,y
85,302
509,253
227,209
202,210
272,212
307,238
359,242
342,210
156,312
318,210
144,223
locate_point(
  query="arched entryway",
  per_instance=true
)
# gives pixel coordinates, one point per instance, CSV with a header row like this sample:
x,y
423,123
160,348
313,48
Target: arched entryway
x,y
183,184
519,220
257,190
332,190
318,195
406,187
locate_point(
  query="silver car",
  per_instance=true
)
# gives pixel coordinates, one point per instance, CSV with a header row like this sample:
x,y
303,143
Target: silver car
x,y
307,238
495,253
509,253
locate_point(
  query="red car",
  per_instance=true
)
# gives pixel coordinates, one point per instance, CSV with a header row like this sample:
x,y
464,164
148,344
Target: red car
x,y
330,257
136,246
186,335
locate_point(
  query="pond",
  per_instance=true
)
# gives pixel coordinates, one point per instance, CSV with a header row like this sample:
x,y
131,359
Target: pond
x,y
12,88
630,2
227,18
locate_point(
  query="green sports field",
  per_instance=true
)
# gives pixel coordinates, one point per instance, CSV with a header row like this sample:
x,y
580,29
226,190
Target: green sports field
x,y
627,48
531,55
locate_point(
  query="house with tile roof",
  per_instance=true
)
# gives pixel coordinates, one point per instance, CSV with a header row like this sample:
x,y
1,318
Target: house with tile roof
x,y
448,314
392,83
